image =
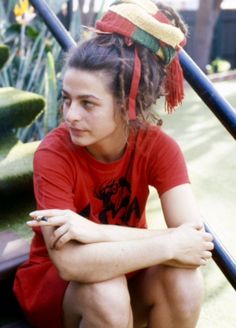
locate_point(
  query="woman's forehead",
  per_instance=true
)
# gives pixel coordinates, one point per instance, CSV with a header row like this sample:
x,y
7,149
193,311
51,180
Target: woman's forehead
x,y
85,79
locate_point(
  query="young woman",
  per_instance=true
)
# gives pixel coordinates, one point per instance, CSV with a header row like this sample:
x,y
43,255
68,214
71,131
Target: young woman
x,y
93,262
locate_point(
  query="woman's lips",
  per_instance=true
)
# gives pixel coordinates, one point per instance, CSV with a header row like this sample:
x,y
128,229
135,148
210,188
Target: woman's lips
x,y
77,131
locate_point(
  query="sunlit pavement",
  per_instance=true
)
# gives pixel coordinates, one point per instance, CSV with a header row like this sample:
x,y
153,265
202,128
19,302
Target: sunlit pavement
x,y
210,152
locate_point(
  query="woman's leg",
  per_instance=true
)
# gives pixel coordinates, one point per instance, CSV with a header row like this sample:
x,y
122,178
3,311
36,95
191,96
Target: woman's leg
x,y
166,297
98,305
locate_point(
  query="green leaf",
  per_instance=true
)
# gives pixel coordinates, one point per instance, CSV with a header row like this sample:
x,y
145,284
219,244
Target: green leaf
x,y
51,112
4,55
32,32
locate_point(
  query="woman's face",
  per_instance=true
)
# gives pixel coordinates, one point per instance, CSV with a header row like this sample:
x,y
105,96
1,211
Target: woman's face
x,y
89,109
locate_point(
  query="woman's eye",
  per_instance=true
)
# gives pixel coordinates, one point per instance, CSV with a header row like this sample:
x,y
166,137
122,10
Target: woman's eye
x,y
65,100
88,104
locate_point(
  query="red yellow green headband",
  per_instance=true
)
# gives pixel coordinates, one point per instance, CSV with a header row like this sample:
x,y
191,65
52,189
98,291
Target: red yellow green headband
x,y
143,22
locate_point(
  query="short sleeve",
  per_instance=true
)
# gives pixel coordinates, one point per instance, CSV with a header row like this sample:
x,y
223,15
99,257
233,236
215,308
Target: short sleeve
x,y
167,167
53,180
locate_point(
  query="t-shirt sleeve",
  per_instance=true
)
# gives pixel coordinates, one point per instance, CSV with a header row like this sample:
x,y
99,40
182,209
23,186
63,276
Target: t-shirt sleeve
x,y
53,180
167,167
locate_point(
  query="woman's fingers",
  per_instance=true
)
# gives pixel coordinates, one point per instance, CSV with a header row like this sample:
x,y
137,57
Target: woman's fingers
x,y
207,255
209,246
203,262
48,213
57,234
60,242
198,225
208,236
68,226
39,221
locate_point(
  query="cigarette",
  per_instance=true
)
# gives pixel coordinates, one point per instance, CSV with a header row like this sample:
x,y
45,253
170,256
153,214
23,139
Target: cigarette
x,y
42,218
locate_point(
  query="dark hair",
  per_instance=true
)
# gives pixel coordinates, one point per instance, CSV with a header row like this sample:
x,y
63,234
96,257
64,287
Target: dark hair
x,y
111,54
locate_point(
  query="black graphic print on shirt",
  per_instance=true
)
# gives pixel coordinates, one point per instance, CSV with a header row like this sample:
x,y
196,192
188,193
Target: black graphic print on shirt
x,y
117,205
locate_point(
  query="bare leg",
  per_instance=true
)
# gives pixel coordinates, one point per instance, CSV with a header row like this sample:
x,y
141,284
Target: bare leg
x,y
166,297
98,305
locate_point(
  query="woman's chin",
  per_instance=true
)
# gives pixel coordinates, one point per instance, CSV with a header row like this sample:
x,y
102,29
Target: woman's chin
x,y
79,141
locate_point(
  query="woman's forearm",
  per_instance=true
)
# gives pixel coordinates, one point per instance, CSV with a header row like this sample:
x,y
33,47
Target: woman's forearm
x,y
83,230
88,252
187,245
121,233
106,260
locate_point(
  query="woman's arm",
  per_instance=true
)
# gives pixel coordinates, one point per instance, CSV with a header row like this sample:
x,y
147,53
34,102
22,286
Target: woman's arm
x,y
72,226
179,206
95,256
106,260
101,261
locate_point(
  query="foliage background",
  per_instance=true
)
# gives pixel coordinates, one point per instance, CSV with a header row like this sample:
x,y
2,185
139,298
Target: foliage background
x,y
36,58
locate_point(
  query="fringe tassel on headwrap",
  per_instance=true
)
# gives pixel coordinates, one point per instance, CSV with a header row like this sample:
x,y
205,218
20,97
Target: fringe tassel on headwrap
x,y
174,86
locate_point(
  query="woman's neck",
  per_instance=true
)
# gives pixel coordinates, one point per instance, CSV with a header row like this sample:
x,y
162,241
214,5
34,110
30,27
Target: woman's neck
x,y
108,153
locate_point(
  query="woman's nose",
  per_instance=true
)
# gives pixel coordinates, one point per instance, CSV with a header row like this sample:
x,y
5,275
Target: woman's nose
x,y
73,113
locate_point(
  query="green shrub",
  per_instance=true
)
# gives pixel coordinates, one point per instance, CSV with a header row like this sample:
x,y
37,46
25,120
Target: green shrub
x,y
16,169
18,108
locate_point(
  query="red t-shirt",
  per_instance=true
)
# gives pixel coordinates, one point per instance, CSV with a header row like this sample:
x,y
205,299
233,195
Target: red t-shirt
x,y
66,176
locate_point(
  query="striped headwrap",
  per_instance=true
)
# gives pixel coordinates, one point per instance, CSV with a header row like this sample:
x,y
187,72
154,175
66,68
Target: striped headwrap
x,y
141,21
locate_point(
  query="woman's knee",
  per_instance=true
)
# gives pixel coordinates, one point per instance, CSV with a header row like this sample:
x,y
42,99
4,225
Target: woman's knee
x,y
184,289
107,303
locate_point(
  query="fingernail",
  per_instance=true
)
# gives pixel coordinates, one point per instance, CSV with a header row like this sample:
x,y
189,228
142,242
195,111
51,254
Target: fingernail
x,y
31,222
32,213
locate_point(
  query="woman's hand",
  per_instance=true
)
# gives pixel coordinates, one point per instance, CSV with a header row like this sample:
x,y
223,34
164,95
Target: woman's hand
x,y
68,226
191,246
